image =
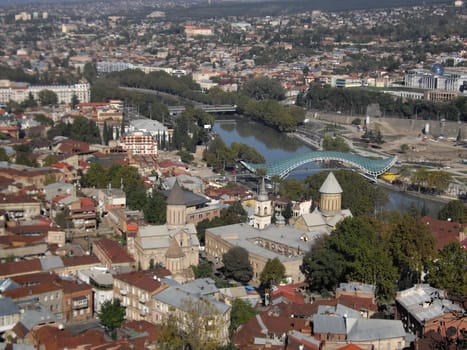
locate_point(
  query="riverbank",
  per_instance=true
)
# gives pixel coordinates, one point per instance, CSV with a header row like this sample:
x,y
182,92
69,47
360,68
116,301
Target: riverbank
x,y
395,188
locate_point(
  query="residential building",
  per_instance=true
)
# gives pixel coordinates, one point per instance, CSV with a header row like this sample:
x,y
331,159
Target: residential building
x,y
192,31
9,314
135,290
424,79
101,281
77,300
423,308
40,286
201,314
19,92
266,330
83,214
139,143
112,254
19,207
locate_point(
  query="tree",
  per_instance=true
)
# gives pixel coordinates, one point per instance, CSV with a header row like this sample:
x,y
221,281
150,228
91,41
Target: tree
x,y
3,155
234,214
43,119
237,264
49,160
63,220
195,324
411,245
242,311
335,144
203,270
29,102
263,88
448,270
322,266
404,148
47,97
454,211
90,72
293,189
273,273
74,101
155,209
112,315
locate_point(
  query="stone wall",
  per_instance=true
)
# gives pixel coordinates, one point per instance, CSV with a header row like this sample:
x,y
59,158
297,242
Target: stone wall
x,y
409,126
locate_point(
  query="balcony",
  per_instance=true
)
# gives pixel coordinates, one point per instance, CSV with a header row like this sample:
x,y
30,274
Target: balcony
x,y
123,292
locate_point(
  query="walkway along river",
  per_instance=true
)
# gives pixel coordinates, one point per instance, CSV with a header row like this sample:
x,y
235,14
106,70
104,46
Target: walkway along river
x,y
276,146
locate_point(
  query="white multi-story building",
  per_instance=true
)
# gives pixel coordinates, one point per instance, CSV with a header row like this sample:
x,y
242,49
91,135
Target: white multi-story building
x,y
139,143
19,92
424,79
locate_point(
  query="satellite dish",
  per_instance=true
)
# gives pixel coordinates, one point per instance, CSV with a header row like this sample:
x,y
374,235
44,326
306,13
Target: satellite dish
x,y
451,332
437,69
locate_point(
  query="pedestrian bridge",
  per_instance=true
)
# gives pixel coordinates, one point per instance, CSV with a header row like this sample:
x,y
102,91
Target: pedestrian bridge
x,y
369,166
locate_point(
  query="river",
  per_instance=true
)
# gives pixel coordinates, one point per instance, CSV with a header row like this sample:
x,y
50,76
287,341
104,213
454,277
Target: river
x,y
276,146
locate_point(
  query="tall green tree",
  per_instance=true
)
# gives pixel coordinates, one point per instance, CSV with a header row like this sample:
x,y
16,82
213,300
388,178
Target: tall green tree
x,y
155,208
237,264
112,315
263,88
447,272
242,311
335,144
353,252
455,211
273,273
412,246
47,97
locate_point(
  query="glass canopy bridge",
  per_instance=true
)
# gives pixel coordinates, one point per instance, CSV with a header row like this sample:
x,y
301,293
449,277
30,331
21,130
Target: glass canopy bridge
x,y
368,166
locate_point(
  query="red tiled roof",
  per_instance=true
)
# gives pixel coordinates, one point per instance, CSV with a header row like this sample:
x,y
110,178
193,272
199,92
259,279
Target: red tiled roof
x,y
6,198
172,164
74,286
87,204
141,279
62,166
443,231
276,325
41,288
114,251
358,303
20,267
60,197
35,278
288,292
54,338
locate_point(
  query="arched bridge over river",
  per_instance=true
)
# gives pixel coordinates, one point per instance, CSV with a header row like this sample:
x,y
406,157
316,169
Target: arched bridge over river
x,y
368,166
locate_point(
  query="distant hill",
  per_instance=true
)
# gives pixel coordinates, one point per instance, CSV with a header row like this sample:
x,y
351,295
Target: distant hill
x,y
262,6
286,7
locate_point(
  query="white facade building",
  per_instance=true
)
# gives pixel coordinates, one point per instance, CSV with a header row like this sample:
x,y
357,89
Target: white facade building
x,y
424,79
19,92
139,143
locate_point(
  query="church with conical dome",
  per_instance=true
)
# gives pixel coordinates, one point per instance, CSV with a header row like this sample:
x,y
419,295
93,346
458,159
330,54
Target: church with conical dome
x,y
264,240
329,213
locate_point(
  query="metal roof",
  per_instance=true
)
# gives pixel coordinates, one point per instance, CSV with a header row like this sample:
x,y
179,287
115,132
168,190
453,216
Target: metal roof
x,y
8,307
